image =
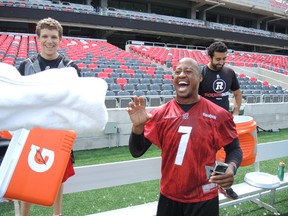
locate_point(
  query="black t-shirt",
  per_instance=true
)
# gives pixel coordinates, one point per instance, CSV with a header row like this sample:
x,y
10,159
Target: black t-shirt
x,y
47,64
216,85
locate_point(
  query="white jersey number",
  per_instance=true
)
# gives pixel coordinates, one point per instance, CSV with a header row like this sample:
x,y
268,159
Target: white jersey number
x,y
183,143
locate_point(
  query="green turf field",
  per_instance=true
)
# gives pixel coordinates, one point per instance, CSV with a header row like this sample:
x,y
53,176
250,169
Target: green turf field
x,y
83,203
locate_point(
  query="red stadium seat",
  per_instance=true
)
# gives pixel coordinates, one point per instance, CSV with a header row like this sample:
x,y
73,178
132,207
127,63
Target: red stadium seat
x,y
108,70
103,75
121,81
167,76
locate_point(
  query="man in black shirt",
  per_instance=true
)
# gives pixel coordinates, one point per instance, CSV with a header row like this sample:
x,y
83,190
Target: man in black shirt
x,y
218,81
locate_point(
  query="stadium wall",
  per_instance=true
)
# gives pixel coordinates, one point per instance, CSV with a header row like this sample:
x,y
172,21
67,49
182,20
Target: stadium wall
x,y
272,116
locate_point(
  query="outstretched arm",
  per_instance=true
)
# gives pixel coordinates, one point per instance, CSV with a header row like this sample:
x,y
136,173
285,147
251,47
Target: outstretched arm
x,y
138,144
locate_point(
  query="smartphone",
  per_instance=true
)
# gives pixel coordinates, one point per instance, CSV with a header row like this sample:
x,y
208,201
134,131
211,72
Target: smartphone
x,y
220,168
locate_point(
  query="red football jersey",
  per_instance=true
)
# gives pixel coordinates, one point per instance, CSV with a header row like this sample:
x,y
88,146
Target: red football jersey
x,y
189,142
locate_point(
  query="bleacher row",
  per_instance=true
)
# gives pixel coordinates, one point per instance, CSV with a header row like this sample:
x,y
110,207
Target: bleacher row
x,y
137,73
82,8
170,57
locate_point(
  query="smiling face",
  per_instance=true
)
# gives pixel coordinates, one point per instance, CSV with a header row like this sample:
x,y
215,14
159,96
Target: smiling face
x,y
49,41
217,61
187,77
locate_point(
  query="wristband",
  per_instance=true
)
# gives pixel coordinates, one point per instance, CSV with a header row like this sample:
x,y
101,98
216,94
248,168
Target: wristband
x,y
234,167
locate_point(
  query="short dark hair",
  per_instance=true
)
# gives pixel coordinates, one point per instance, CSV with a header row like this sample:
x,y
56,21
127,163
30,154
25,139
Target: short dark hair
x,y
217,46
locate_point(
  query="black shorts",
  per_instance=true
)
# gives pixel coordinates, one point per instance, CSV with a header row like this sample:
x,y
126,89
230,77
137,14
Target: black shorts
x,y
168,207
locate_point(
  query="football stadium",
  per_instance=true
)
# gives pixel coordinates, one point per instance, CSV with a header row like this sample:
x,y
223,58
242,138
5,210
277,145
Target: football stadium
x,y
133,48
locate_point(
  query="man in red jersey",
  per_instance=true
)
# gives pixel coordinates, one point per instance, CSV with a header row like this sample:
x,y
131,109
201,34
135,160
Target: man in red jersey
x,y
189,130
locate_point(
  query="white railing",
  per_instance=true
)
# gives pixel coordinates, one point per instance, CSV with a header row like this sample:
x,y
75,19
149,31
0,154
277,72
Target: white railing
x,y
127,172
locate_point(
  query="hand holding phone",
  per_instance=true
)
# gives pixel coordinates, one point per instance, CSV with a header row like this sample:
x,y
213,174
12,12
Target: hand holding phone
x,y
220,168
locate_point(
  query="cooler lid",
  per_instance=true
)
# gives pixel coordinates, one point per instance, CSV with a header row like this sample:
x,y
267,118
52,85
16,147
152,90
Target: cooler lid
x,y
262,180
11,158
238,119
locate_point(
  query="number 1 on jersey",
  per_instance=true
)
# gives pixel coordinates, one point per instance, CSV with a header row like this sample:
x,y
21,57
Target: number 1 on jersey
x,y
183,143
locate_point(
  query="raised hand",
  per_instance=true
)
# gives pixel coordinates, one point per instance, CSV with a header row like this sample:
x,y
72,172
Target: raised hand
x,y
138,114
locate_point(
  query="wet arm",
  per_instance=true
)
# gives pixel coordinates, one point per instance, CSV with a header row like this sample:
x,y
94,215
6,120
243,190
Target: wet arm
x,y
138,144
233,154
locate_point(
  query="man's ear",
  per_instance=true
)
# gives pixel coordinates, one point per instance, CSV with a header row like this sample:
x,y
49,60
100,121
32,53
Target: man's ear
x,y
201,77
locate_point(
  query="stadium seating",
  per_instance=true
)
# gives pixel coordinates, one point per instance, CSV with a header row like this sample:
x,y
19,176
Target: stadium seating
x,y
157,81
110,100
115,87
168,87
142,87
114,75
123,93
121,81
153,98
129,87
166,92
145,81
123,102
170,57
98,58
156,87
139,92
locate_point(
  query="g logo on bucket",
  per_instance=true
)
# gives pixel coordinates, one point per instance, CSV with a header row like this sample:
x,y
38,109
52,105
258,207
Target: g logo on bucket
x,y
45,165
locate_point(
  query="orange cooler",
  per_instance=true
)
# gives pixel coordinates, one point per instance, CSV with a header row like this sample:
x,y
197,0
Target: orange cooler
x,y
5,135
34,165
247,133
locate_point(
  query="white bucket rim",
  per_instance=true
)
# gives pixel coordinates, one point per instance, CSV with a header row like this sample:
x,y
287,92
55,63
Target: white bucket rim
x,y
242,119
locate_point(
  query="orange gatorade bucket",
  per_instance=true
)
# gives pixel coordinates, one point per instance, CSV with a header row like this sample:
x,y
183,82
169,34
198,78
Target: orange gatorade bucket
x,y
247,133
5,135
34,165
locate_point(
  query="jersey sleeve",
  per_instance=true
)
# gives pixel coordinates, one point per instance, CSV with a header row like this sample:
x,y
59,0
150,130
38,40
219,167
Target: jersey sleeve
x,y
225,131
153,130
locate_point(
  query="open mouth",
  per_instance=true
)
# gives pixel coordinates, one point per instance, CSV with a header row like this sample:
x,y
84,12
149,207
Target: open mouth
x,y
183,85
